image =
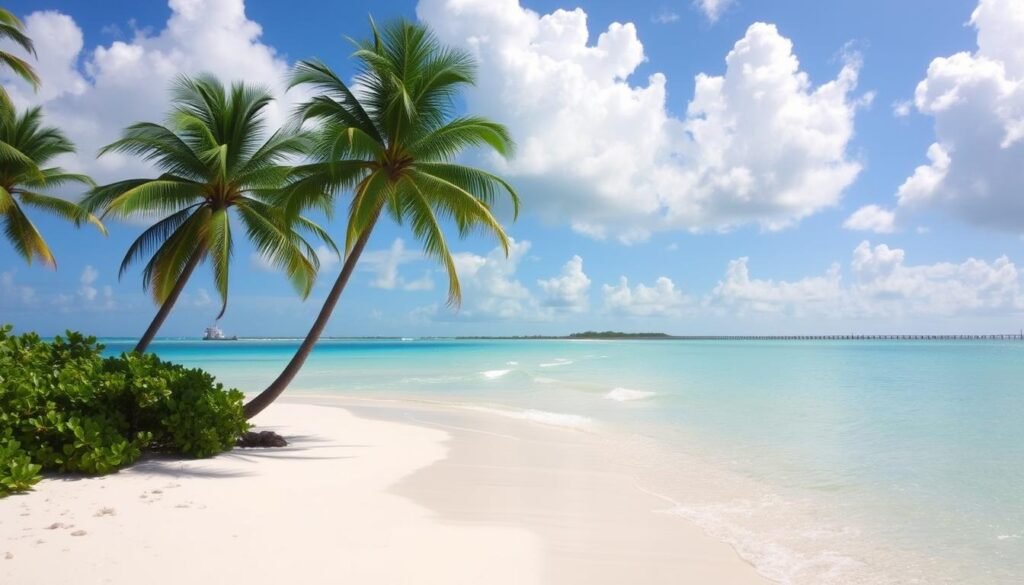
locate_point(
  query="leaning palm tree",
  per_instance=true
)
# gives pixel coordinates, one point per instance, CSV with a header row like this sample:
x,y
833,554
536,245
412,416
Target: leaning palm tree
x,y
213,161
13,29
22,182
391,140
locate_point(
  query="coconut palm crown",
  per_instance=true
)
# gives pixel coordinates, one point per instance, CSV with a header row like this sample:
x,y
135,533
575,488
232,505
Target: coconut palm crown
x,y
391,140
12,29
25,178
214,160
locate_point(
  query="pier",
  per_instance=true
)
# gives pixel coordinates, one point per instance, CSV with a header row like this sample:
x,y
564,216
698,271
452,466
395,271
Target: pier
x,y
960,337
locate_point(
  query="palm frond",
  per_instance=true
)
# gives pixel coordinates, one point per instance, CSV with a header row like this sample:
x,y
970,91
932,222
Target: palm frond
x,y
427,229
20,67
24,236
12,28
153,237
276,240
61,208
219,247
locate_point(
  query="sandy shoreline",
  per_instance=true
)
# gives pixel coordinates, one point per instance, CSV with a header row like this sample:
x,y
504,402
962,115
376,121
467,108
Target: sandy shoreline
x,y
366,494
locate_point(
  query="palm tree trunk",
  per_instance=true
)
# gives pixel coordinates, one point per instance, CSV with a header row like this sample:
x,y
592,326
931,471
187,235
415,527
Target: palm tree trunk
x,y
168,304
265,398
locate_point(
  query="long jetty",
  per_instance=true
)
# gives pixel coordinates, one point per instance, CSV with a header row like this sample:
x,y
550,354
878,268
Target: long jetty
x,y
959,337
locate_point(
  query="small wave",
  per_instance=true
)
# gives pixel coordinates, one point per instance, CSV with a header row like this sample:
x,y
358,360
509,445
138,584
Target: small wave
x,y
555,419
431,380
774,554
1008,536
494,374
511,363
408,339
555,363
627,395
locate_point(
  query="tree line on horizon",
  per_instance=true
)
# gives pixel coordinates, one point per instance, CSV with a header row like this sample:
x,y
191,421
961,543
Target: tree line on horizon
x,y
388,148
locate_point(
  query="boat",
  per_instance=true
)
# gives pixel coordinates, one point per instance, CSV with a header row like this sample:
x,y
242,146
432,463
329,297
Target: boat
x,y
214,333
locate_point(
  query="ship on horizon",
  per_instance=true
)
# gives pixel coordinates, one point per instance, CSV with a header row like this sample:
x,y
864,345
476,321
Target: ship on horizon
x,y
214,333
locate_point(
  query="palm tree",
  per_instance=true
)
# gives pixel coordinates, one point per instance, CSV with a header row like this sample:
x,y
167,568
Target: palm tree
x,y
212,161
12,28
23,178
391,140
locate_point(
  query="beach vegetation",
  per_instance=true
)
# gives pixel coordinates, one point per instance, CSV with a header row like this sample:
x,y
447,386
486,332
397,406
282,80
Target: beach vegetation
x,y
391,140
66,408
215,158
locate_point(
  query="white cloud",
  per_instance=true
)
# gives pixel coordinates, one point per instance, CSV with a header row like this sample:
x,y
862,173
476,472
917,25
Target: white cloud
x,y
977,102
660,299
93,94
740,291
713,9
570,290
759,144
490,288
261,262
882,285
872,218
87,291
14,294
886,285
665,16
202,298
385,264
902,109
328,258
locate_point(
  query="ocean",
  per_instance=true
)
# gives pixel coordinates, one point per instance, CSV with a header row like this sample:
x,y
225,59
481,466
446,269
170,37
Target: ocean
x,y
852,462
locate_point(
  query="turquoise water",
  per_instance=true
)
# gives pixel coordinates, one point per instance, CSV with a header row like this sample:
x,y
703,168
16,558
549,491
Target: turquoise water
x,y
821,462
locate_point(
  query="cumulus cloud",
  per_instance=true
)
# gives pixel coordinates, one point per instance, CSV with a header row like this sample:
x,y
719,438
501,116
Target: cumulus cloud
x,y
759,144
872,218
93,93
568,291
713,9
882,285
747,294
660,299
385,265
977,102
490,288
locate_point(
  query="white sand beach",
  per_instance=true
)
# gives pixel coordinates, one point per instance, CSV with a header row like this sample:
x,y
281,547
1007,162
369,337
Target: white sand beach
x,y
425,497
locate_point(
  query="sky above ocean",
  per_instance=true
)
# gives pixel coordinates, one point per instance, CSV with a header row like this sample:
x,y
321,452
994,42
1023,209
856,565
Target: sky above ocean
x,y
720,166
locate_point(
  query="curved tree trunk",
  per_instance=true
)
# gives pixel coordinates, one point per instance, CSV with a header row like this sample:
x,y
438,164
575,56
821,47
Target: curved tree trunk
x,y
165,308
265,398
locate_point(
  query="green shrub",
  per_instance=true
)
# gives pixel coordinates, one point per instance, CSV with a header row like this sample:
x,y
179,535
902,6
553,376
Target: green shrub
x,y
64,407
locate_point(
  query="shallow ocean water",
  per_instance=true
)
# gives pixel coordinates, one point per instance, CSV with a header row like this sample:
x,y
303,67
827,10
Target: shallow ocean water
x,y
820,462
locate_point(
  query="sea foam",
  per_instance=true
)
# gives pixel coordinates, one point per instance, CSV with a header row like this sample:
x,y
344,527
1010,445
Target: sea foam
x,y
627,395
555,419
556,362
494,374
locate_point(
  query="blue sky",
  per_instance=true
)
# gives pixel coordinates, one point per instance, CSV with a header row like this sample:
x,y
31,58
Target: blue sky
x,y
622,176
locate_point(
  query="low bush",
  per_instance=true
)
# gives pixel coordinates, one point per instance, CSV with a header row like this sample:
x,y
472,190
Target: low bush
x,y
64,407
